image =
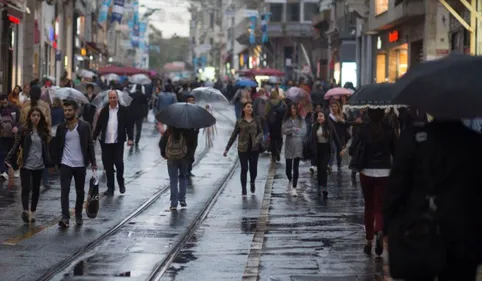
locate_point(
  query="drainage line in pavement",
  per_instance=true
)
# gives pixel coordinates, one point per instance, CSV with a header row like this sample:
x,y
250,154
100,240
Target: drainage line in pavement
x,y
66,263
157,274
251,270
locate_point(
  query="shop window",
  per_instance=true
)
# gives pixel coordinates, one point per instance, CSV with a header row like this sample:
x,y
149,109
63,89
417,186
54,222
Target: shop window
x,y
397,62
381,74
293,12
381,6
309,10
276,10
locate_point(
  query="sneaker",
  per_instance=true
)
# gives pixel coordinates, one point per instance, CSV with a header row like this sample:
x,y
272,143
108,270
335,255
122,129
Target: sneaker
x,y
243,191
289,187
16,174
4,176
173,208
122,188
26,216
183,203
294,193
64,223
79,221
312,169
367,249
32,216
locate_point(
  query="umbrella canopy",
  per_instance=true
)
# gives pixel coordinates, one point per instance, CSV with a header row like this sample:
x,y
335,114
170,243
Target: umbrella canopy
x,y
448,88
186,116
337,92
121,70
262,71
141,79
47,77
373,96
83,87
103,98
209,95
86,73
246,83
295,94
68,93
112,77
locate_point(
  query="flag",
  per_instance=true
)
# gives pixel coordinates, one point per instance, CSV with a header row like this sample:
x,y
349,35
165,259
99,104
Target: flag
x,y
135,24
252,33
264,28
117,11
104,10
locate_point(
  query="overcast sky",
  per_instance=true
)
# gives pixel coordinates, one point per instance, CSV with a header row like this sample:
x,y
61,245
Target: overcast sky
x,y
173,17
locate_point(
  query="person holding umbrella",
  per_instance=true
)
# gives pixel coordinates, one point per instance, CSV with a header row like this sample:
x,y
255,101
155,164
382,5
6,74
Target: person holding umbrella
x,y
114,126
138,109
192,141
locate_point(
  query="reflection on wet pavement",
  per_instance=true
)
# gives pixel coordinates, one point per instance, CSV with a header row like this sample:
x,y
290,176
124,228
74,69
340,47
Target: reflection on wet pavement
x,y
311,239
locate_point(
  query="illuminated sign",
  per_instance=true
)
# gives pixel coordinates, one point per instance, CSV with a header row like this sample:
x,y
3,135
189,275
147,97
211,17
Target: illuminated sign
x,y
393,36
13,19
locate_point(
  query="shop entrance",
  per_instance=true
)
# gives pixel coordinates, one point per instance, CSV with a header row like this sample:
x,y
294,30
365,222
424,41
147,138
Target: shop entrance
x,y
397,62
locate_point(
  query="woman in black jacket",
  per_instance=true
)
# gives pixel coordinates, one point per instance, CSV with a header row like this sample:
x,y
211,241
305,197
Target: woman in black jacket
x,y
32,159
322,135
377,139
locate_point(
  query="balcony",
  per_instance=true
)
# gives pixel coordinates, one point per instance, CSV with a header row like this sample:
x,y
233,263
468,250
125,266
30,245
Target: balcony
x,y
275,30
396,14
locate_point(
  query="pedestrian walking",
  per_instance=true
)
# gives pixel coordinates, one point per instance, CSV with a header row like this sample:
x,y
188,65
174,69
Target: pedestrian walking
x,y
164,100
311,120
138,109
89,110
372,151
31,155
174,149
35,93
192,141
339,121
210,132
294,128
14,96
114,126
250,139
322,136
9,125
75,153
275,112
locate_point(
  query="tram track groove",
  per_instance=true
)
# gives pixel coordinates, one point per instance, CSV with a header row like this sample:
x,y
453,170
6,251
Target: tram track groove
x,y
62,266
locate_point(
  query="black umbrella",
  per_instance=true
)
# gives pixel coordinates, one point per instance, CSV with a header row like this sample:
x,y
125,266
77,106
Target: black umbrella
x,y
186,116
373,95
445,88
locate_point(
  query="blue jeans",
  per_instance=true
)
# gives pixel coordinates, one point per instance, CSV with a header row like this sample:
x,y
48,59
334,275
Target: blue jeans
x,y
177,170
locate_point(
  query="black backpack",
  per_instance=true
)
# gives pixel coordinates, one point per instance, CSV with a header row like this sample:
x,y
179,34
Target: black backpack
x,y
276,113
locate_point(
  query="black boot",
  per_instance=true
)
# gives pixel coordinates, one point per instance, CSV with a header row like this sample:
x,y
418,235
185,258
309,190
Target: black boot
x,y
253,187
243,190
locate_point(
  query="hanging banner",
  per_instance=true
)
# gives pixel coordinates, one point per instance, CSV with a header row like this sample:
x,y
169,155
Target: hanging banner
x,y
104,11
142,33
135,24
264,28
252,31
117,11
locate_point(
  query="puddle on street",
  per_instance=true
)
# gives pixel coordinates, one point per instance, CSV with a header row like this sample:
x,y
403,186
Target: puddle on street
x,y
82,269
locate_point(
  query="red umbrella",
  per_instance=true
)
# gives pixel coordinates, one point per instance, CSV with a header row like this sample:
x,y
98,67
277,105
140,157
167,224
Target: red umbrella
x,y
263,71
125,70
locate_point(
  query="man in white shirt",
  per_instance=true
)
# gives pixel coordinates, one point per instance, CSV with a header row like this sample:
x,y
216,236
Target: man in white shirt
x,y
113,124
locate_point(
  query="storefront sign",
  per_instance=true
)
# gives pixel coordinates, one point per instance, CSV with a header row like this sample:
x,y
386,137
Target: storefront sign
x,y
393,36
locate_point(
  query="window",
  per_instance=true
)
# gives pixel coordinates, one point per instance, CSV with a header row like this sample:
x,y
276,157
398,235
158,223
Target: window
x,y
211,20
293,12
276,10
381,6
381,74
309,10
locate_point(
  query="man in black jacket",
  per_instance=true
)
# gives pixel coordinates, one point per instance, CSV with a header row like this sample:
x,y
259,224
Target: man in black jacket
x,y
113,124
192,137
75,153
138,110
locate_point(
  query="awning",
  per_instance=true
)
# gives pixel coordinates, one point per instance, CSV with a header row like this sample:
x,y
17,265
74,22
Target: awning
x,y
15,8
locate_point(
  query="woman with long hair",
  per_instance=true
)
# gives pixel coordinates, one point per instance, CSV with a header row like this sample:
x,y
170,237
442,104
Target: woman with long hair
x,y
14,96
250,138
30,153
378,141
339,121
322,135
294,128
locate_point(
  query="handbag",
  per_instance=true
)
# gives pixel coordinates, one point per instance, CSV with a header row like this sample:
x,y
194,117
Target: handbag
x,y
415,241
92,208
358,155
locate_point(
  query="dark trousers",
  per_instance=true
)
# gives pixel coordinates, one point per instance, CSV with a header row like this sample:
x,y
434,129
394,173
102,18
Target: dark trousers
x,y
30,180
456,269
293,170
373,189
322,159
113,154
138,123
66,174
248,160
276,143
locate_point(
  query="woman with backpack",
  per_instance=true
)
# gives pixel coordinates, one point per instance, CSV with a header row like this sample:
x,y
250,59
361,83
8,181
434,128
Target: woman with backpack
x,y
250,139
173,147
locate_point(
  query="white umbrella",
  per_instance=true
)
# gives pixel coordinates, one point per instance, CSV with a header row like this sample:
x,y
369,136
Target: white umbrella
x,y
86,73
71,93
141,79
208,94
83,87
103,98
112,77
